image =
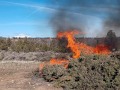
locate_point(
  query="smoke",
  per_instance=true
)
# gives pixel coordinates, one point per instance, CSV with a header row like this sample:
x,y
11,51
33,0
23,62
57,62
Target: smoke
x,y
84,14
66,18
112,22
113,19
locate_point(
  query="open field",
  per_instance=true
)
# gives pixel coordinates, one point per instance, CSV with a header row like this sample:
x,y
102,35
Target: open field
x,y
17,75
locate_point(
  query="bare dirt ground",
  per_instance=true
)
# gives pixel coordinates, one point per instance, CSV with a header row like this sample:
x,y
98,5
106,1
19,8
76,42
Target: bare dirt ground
x,y
17,75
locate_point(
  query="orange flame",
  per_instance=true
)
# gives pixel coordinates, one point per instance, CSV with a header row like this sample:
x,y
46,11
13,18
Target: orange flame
x,y
62,62
54,61
71,42
101,49
41,66
77,48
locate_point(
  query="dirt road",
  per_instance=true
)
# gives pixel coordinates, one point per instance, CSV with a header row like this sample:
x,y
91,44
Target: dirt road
x,y
17,75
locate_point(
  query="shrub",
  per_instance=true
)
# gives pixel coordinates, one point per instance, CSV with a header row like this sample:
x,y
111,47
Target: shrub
x,y
1,56
26,45
23,45
103,73
3,44
53,72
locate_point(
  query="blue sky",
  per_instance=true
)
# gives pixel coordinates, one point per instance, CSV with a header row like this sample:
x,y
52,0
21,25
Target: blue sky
x,y
31,17
24,17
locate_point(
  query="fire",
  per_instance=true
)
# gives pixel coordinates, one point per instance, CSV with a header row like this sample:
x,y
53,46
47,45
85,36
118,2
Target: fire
x,y
59,62
102,49
41,66
55,61
71,42
83,48
77,48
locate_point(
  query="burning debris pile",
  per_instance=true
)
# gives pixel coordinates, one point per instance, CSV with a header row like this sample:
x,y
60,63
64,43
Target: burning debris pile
x,y
89,67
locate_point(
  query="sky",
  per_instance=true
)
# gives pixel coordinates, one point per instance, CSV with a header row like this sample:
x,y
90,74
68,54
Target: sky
x,y
32,17
27,17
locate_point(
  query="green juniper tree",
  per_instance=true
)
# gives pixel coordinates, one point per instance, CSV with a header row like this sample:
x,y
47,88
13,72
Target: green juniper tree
x,y
111,40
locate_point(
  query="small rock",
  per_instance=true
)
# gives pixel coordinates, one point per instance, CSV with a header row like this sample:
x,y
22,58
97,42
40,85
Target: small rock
x,y
49,85
12,81
29,83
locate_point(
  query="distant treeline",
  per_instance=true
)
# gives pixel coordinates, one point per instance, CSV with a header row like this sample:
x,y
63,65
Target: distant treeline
x,y
52,44
27,44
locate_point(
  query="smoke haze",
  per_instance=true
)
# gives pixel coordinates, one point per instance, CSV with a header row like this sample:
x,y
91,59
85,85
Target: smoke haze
x,y
90,16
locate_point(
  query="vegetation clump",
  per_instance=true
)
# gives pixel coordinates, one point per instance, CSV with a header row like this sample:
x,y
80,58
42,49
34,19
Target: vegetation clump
x,y
53,72
26,45
85,74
